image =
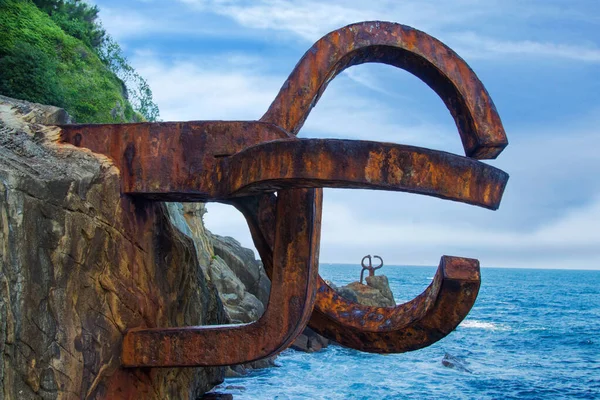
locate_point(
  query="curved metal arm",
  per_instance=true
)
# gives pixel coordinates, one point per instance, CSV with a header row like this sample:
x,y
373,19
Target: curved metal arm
x,y
244,162
404,47
362,264
410,326
360,164
294,278
380,265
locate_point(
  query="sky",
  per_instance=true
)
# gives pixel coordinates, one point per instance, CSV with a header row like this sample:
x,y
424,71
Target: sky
x,y
539,60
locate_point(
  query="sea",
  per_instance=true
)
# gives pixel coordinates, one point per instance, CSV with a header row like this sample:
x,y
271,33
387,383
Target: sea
x,y
532,334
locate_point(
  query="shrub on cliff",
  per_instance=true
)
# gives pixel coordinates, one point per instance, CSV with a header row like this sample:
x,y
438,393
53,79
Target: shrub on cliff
x,y
41,62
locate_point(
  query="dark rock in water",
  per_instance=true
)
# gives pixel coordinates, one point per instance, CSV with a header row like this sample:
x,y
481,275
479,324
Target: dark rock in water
x,y
301,342
454,362
236,371
235,387
310,341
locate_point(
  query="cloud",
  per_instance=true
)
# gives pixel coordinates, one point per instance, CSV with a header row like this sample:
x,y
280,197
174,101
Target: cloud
x,y
194,90
309,20
312,19
349,233
570,242
121,24
473,46
125,22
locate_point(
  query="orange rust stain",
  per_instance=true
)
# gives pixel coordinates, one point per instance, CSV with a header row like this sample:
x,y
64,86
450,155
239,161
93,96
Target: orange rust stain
x,y
395,168
374,166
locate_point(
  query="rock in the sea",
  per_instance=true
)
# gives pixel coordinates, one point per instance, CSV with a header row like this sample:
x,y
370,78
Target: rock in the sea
x,y
236,371
381,283
217,396
310,341
371,296
454,362
80,264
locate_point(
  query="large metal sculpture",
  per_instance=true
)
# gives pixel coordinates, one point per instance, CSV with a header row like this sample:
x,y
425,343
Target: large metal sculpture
x,y
243,163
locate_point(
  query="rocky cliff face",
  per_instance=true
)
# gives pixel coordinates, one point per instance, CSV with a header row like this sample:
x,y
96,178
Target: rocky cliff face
x,y
80,264
240,279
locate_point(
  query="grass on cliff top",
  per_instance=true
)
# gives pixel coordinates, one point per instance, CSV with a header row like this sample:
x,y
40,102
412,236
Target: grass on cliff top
x,y
39,62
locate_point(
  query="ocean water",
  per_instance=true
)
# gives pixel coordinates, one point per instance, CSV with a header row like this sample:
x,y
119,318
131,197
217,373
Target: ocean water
x,y
532,334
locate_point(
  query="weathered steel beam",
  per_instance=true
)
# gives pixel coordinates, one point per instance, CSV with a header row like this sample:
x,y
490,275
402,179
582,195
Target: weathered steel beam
x,y
293,264
361,164
171,161
404,47
165,164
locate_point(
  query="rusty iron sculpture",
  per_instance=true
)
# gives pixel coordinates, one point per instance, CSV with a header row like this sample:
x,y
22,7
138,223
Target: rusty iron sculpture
x,y
369,267
243,163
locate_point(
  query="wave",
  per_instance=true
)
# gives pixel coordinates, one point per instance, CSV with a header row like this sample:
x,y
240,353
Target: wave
x,y
488,326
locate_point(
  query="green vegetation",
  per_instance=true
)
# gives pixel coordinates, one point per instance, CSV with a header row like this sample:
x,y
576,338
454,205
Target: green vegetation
x,y
55,52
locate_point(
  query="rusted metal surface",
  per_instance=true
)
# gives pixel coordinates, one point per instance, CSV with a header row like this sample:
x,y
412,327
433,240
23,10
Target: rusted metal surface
x,y
293,284
404,47
369,267
244,162
409,326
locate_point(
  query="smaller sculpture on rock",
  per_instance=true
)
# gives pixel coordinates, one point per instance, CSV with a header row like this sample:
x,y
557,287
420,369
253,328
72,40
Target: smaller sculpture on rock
x,y
369,267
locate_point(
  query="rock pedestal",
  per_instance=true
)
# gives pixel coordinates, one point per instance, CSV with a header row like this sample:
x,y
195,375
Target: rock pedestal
x,y
376,292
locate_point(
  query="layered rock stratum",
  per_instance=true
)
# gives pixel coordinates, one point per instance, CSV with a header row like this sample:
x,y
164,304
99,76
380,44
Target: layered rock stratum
x,y
80,264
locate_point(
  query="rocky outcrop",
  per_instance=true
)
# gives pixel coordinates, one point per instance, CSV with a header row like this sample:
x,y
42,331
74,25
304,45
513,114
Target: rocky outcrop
x,y
225,263
376,292
80,264
310,341
240,278
242,263
241,305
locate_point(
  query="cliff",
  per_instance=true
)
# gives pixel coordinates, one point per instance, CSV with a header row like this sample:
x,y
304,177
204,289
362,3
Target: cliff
x,y
80,264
